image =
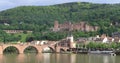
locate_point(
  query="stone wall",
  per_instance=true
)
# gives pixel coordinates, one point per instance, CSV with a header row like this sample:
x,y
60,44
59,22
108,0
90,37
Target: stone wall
x,y
68,26
15,31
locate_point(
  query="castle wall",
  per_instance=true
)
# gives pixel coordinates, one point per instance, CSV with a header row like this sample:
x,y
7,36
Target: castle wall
x,y
68,26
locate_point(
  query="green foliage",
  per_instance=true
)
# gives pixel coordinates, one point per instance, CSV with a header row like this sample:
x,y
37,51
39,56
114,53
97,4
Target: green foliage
x,y
94,45
23,36
12,37
40,19
97,45
78,34
11,50
30,49
49,36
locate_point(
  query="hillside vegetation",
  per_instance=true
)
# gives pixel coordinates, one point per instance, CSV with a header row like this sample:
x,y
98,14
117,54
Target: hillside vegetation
x,y
40,19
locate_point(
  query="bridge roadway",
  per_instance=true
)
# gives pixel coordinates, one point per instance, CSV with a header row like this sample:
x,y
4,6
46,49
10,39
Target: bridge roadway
x,y
39,48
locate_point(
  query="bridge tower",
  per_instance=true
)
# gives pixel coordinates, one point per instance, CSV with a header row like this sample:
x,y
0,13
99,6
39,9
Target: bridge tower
x,y
71,41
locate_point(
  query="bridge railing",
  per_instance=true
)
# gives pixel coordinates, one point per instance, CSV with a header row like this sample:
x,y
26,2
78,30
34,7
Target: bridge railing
x,y
19,43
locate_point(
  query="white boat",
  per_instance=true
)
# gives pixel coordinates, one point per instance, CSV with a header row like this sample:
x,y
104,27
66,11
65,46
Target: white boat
x,y
101,52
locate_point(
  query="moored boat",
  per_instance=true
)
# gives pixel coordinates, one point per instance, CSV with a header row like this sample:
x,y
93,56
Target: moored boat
x,y
117,52
81,52
100,52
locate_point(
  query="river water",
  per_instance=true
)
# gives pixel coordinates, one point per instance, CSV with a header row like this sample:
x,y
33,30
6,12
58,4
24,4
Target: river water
x,y
58,58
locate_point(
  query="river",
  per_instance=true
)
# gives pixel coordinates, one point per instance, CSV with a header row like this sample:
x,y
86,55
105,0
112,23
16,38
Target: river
x,y
58,58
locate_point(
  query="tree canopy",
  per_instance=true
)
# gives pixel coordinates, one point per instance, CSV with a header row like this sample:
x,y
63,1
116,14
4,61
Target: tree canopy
x,y
41,18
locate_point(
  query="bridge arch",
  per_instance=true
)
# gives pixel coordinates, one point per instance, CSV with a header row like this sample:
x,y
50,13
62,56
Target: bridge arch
x,y
53,49
62,50
48,49
33,48
11,49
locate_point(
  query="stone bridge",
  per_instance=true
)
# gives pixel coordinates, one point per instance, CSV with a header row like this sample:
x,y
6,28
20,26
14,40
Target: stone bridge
x,y
63,45
21,47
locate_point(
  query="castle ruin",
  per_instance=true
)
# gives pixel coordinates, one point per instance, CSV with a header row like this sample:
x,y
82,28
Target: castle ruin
x,y
68,26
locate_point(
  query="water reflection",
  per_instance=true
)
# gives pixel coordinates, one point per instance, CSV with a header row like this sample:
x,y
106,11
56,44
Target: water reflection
x,y
46,58
109,59
58,58
39,58
113,59
73,58
1,59
94,58
105,59
20,58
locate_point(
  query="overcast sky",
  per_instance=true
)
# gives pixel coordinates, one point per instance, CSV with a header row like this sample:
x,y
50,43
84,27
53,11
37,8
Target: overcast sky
x,y
6,4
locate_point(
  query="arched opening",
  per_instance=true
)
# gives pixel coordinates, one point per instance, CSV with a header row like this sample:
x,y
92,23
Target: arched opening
x,y
48,50
62,50
30,49
68,50
11,50
43,42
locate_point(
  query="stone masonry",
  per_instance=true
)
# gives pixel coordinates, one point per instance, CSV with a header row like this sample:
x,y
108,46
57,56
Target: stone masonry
x,y
68,26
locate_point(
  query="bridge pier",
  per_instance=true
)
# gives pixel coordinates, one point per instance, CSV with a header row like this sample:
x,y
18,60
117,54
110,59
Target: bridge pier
x,y
40,50
57,49
1,50
21,52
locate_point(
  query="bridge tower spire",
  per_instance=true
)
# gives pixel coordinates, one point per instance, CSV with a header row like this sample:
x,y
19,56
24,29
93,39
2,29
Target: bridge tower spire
x,y
70,37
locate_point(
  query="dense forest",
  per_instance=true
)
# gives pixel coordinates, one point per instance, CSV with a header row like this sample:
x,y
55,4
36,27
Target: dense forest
x,y
40,19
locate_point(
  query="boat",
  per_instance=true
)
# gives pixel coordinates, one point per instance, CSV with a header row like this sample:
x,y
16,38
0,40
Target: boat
x,y
81,52
112,54
100,52
117,52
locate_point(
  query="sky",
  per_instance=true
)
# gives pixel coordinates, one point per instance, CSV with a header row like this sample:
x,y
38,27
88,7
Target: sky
x,y
7,4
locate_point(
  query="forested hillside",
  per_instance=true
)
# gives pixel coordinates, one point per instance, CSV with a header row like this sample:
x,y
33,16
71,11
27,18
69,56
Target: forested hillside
x,y
41,18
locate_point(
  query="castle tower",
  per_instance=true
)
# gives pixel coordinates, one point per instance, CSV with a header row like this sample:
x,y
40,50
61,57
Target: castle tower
x,y
56,26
